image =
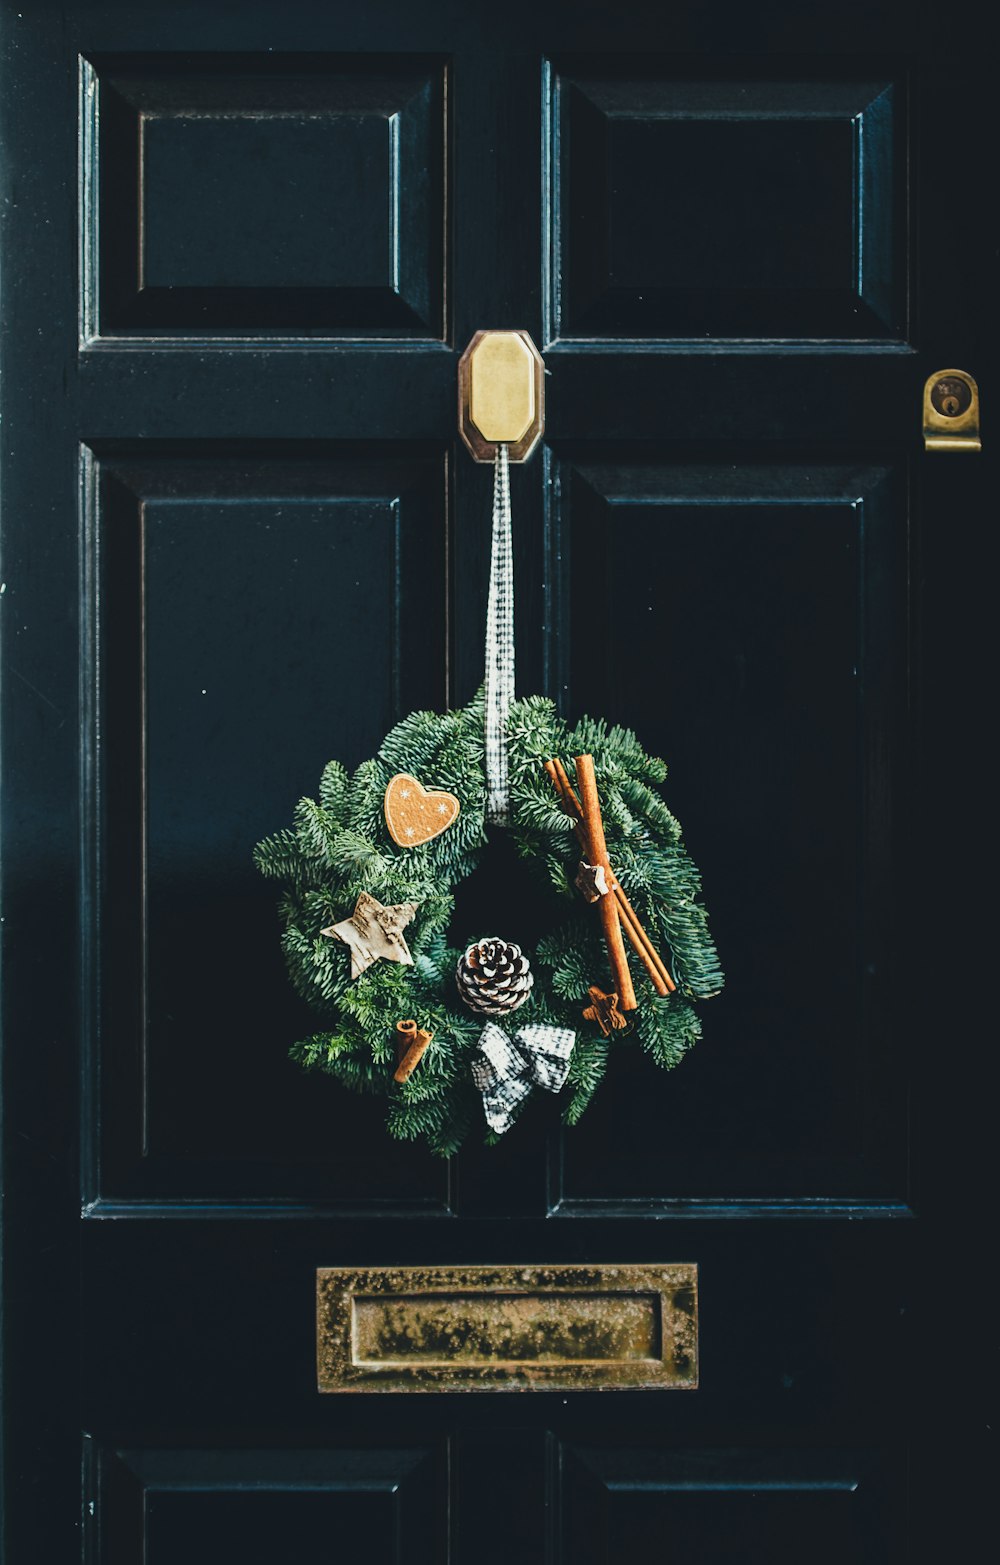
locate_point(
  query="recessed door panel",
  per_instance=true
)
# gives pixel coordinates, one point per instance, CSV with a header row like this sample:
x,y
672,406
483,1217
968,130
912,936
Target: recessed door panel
x,y
264,194
252,619
755,637
719,1506
718,203
201,1505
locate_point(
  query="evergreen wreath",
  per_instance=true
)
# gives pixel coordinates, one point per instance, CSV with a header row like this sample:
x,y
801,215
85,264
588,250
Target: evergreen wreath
x,y
340,847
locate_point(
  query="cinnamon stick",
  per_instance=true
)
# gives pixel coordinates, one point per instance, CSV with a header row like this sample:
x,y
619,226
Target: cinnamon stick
x,y
406,1033
597,853
639,939
642,945
414,1054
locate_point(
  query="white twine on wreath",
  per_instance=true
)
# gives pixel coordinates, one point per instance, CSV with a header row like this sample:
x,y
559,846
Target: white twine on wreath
x,y
499,646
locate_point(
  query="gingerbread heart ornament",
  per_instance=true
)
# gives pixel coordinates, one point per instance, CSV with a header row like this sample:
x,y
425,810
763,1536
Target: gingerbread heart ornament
x,y
415,814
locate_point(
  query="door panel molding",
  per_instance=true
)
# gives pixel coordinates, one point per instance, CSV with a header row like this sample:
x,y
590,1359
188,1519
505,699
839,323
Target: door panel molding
x,y
153,1503
730,551
191,225
200,569
710,198
614,1503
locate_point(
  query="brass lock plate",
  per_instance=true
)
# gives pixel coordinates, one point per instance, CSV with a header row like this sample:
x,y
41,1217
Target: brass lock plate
x,y
507,1328
951,412
501,395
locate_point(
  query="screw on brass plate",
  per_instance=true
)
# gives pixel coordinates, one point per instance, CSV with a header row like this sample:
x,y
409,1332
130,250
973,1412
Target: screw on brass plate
x,y
951,412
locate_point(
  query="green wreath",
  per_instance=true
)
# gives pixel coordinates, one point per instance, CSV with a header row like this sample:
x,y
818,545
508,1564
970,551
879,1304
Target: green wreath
x,y
340,847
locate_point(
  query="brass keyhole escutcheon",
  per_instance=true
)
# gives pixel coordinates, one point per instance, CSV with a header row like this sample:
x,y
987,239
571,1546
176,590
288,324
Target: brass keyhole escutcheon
x,y
951,412
951,396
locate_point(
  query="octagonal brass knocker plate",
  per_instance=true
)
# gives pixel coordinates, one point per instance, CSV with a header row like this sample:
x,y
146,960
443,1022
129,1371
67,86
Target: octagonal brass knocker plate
x,y
501,395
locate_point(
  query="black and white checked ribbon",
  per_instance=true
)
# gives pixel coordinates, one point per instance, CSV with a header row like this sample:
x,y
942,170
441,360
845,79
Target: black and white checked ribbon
x,y
499,645
505,1069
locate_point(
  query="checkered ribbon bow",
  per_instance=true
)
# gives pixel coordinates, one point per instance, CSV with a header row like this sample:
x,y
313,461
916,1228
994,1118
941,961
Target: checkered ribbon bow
x,y
505,1069
499,645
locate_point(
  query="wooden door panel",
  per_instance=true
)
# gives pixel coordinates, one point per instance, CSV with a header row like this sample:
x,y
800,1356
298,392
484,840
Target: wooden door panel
x,y
200,1505
716,201
756,637
621,1505
248,616
262,194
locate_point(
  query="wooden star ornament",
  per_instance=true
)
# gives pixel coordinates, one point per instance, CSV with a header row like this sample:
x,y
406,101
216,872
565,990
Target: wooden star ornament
x,y
373,932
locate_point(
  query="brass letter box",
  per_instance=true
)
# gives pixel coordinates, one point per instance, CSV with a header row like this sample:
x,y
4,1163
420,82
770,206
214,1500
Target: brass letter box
x,y
507,1328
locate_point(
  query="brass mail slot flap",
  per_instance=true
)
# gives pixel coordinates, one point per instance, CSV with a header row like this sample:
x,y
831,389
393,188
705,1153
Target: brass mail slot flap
x,y
507,1328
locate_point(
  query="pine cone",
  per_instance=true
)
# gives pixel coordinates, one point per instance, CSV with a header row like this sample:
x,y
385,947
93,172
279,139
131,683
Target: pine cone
x,y
494,976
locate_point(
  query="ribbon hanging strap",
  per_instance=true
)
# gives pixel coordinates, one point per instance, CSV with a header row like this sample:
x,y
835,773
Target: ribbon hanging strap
x,y
505,1069
499,645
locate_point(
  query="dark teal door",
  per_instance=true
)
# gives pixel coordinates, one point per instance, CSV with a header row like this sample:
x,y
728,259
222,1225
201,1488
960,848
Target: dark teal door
x,y
243,248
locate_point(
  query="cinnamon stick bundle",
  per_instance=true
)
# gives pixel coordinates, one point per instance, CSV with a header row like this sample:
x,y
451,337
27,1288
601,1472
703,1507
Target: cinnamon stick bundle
x,y
597,853
659,975
411,1043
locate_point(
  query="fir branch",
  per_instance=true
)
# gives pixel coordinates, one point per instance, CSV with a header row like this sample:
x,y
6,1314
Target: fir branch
x,y
280,857
316,831
588,1064
667,1028
333,791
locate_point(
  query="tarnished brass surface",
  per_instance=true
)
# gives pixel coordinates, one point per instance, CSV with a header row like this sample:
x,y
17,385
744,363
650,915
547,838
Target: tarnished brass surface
x,y
501,393
507,1328
501,386
951,412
